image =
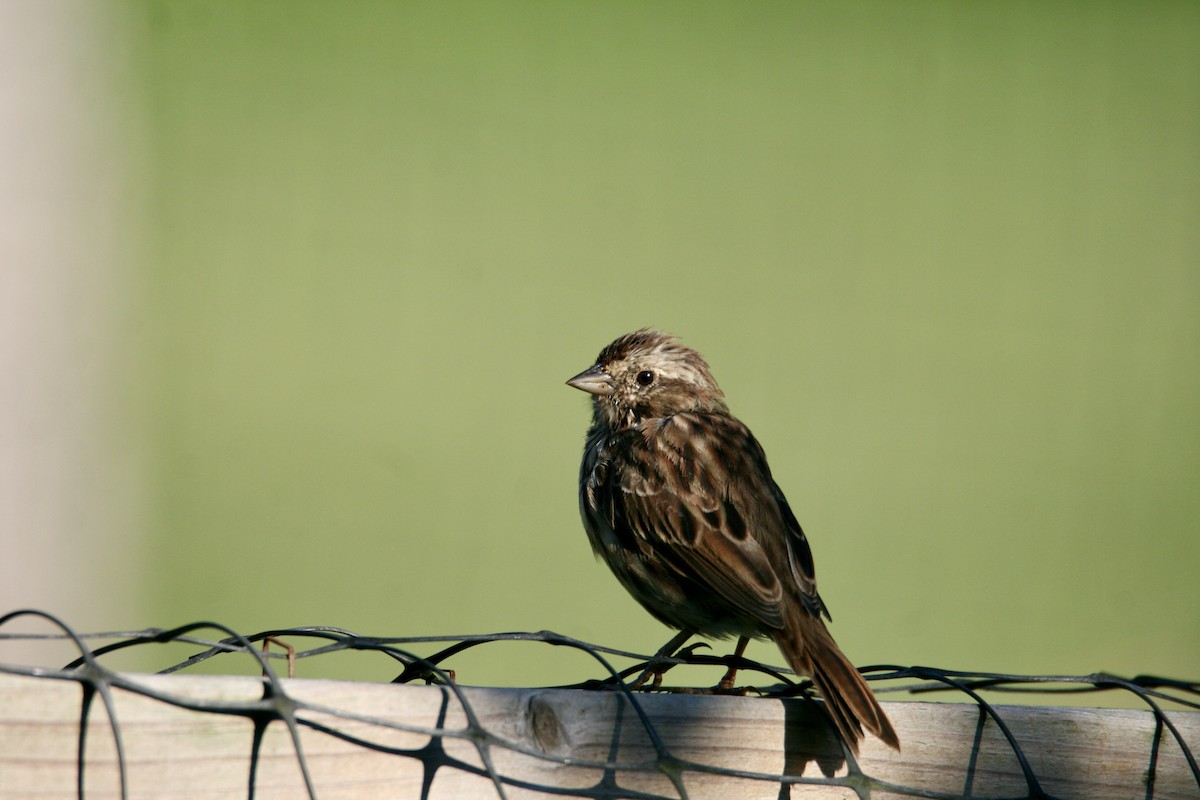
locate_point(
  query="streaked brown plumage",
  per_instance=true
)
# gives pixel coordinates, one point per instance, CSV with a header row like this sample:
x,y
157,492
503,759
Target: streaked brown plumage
x,y
678,500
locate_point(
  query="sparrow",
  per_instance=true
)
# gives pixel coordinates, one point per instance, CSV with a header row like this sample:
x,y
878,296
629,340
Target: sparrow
x,y
677,499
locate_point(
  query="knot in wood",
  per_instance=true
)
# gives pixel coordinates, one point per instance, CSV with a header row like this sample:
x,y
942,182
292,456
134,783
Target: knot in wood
x,y
544,724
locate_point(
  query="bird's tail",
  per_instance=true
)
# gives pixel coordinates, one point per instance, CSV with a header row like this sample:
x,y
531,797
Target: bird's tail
x,y
810,650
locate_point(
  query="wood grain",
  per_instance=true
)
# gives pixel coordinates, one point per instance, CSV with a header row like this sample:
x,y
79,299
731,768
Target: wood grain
x,y
561,738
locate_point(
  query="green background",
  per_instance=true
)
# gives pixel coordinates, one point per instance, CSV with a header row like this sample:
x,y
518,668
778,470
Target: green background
x,y
944,259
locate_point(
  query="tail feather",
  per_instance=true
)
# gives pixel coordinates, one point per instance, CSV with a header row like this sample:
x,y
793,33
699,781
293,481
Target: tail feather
x,y
810,650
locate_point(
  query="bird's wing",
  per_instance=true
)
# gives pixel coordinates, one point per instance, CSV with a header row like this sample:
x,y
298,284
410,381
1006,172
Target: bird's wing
x,y
697,497
800,558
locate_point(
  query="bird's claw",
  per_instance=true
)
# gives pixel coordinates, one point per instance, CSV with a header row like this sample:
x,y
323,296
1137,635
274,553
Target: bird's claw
x,y
652,673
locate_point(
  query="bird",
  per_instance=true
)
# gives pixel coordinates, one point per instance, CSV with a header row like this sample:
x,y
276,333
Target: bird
x,y
678,500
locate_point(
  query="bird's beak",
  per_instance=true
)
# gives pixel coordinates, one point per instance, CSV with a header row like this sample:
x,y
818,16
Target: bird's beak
x,y
593,380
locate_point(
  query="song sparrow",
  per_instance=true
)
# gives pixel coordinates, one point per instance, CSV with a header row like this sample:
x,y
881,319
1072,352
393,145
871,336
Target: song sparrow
x,y
677,498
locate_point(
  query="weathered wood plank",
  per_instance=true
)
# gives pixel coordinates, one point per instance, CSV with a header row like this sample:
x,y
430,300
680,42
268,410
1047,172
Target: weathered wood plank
x,y
554,738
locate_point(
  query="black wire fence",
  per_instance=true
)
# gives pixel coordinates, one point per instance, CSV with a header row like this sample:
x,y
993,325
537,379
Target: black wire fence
x,y
438,749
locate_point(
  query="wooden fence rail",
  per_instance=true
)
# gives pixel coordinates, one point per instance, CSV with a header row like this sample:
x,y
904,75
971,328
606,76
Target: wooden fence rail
x,y
363,740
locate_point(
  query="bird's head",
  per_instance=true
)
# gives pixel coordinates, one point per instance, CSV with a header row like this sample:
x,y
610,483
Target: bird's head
x,y
647,375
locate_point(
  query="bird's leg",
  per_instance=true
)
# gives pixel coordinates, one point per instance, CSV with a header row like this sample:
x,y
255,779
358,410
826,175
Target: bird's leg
x,y
727,682
655,670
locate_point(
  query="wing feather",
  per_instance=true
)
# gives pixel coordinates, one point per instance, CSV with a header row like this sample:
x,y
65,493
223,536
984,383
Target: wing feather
x,y
685,511
692,500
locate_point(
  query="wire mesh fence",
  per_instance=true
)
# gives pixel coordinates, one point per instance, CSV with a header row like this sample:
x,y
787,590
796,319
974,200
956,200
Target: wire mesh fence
x,y
469,736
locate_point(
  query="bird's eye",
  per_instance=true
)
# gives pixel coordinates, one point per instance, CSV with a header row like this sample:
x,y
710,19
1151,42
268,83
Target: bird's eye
x,y
645,377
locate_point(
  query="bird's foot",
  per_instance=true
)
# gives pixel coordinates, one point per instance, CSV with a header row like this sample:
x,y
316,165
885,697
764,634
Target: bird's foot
x,y
659,665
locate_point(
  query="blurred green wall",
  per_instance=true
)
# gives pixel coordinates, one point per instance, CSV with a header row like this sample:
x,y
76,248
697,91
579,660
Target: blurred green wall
x,y
944,258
